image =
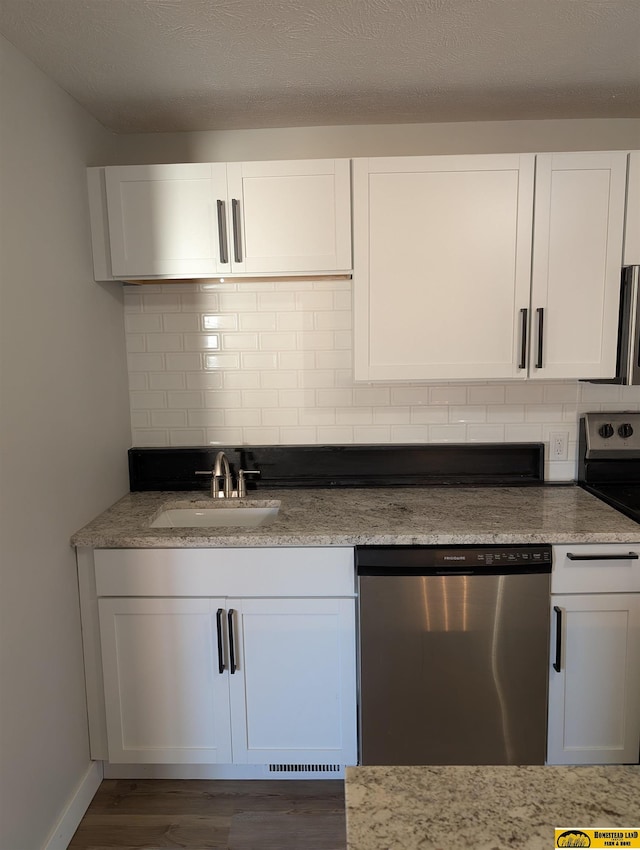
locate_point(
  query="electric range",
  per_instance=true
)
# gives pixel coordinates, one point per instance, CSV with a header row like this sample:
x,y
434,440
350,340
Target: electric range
x,y
609,459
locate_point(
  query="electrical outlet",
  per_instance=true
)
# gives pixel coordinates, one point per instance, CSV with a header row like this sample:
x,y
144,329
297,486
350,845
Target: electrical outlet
x,y
558,445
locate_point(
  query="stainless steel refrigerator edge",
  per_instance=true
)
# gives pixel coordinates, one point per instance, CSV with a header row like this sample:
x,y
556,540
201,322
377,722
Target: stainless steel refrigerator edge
x,y
629,340
454,655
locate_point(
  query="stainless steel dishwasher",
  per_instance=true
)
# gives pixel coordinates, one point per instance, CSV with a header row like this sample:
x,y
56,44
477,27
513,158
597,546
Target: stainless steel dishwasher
x,y
454,654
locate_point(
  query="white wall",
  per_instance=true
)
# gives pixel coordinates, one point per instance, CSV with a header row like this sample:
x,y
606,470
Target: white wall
x,y
379,140
64,434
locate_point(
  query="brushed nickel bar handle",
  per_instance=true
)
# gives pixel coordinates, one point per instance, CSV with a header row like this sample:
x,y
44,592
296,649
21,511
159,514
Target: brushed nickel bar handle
x,y
235,218
222,233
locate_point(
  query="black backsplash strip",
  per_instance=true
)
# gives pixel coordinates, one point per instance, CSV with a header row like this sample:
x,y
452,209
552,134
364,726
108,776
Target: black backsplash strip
x,y
473,464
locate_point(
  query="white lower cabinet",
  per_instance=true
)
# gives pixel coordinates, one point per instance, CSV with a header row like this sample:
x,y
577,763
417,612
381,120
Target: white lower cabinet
x,y
228,679
594,684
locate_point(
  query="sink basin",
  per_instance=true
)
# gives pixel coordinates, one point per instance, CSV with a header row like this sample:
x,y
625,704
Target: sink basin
x,y
208,515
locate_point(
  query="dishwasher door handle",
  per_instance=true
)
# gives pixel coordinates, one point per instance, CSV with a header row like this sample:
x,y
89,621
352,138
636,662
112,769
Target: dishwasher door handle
x,y
557,664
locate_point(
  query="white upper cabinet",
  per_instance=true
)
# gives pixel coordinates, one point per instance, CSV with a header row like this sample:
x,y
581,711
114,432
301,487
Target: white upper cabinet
x,y
442,253
462,270
290,217
631,256
207,219
163,219
577,257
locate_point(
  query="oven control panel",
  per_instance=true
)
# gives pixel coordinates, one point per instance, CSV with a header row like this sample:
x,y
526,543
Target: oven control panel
x,y
612,434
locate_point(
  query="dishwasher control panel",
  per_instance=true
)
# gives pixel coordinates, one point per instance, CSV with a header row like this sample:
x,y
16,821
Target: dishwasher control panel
x,y
442,560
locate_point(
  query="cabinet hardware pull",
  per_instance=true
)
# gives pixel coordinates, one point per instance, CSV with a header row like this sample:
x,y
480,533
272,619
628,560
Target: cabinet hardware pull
x,y
235,218
222,233
523,338
540,312
219,614
232,647
630,556
557,664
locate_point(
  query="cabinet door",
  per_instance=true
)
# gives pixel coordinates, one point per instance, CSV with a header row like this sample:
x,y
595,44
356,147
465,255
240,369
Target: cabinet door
x,y
293,695
166,220
166,701
632,220
594,701
290,217
577,255
442,252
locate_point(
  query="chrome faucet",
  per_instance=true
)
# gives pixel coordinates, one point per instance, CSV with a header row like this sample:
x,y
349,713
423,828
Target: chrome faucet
x,y
221,473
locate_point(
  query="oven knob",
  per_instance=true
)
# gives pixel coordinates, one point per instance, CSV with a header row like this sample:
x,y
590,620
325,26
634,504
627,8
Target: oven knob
x,y
625,430
606,431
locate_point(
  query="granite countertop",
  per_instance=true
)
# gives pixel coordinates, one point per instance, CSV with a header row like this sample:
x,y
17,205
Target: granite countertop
x,y
400,516
484,808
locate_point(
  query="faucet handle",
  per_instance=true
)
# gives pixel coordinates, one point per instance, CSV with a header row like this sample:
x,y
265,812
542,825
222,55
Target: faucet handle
x,y
242,485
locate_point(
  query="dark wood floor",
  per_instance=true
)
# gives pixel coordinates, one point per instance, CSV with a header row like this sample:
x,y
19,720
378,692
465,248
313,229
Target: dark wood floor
x,y
214,815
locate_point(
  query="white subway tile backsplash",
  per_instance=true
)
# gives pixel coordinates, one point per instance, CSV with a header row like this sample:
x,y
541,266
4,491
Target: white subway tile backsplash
x,y
489,394
279,380
259,398
140,418
183,363
166,381
222,399
335,434
187,437
206,380
205,418
256,321
202,342
259,360
447,433
135,343
243,416
168,418
241,380
151,438
182,400
160,302
334,398
219,322
295,321
523,392
371,433
299,360
280,416
448,395
148,400
223,363
485,433
236,302
164,342
145,362
240,342
180,322
298,436
467,413
135,323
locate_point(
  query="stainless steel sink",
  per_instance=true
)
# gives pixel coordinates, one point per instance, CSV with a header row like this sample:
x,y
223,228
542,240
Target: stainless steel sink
x,y
227,514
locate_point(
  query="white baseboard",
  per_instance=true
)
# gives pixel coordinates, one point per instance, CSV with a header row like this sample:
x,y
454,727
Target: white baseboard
x,y
212,771
75,808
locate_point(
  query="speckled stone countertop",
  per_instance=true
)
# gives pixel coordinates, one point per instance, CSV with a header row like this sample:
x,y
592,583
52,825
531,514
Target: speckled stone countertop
x,y
484,808
401,516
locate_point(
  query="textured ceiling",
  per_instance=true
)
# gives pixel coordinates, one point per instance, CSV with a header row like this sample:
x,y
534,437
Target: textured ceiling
x,y
175,65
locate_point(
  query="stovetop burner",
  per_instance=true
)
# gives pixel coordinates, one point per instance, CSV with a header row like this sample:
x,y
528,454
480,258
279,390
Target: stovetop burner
x,y
609,459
